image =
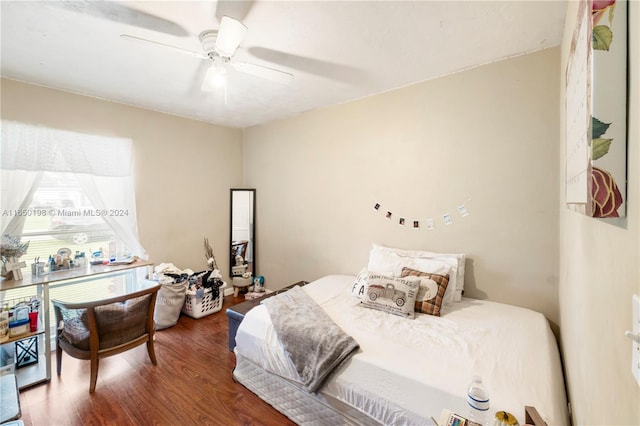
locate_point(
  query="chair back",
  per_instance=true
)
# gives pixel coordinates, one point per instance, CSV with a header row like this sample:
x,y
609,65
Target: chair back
x,y
106,324
239,248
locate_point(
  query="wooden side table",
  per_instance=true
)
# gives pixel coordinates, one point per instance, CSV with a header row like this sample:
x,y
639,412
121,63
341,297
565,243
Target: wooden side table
x,y
236,313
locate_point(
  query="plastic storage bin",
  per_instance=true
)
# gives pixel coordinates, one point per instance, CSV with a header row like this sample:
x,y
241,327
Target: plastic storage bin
x,y
207,305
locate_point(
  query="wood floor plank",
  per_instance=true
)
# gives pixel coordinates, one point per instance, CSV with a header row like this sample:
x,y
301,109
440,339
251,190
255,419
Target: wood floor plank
x,y
192,384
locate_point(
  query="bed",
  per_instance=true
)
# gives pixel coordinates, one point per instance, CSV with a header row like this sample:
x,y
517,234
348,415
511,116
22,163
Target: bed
x,y
406,371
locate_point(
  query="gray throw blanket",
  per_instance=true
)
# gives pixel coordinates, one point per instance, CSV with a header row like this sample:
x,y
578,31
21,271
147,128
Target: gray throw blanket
x,y
315,343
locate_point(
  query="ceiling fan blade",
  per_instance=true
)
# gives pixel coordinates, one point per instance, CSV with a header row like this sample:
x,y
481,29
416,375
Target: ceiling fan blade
x,y
327,69
168,46
120,12
263,72
238,9
230,36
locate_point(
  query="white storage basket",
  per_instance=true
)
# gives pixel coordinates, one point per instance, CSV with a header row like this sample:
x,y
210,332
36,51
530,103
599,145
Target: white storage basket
x,y
198,308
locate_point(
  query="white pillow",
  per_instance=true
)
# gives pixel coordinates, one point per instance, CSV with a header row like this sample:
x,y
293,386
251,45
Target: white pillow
x,y
360,283
358,288
388,258
391,294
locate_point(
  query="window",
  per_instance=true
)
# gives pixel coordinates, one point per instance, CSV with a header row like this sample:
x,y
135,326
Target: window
x,y
62,189
68,186
61,216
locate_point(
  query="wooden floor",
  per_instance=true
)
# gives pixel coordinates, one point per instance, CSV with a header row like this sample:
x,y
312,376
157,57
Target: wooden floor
x,y
191,385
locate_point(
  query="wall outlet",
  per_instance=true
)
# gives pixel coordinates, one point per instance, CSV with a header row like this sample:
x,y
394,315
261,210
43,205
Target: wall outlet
x,y
635,356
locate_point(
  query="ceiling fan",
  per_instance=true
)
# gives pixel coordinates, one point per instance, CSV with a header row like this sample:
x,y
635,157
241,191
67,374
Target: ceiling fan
x,y
219,46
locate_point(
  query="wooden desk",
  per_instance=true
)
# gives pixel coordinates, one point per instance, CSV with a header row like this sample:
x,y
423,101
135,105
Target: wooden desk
x,y
42,370
91,271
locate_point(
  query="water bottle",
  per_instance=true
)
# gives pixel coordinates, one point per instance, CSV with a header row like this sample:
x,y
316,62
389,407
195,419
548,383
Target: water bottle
x,y
478,402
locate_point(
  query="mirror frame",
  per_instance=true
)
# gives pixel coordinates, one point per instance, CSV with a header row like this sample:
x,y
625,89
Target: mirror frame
x,y
252,236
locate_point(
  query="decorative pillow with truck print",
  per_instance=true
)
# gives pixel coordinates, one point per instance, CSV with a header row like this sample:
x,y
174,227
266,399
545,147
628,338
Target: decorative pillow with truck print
x,y
389,294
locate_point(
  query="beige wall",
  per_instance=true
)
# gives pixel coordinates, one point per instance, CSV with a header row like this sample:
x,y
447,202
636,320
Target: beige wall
x,y
598,274
489,135
183,168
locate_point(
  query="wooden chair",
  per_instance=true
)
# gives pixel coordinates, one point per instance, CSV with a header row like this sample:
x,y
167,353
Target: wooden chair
x,y
239,248
103,328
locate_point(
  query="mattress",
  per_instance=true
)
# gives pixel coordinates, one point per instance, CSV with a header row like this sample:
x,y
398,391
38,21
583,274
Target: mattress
x,y
407,371
296,402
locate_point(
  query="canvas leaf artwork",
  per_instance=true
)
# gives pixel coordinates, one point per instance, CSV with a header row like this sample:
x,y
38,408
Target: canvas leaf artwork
x,y
596,105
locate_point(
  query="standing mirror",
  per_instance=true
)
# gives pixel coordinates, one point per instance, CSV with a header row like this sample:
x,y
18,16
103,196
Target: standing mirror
x,y
243,239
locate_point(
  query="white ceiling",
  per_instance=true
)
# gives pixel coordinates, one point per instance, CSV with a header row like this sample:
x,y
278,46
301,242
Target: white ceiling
x,y
337,50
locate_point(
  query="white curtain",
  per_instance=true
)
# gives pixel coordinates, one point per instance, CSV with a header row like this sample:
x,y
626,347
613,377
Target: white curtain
x,y
102,165
114,196
17,188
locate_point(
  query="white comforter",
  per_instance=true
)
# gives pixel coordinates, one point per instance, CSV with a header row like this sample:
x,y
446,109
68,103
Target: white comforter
x,y
409,370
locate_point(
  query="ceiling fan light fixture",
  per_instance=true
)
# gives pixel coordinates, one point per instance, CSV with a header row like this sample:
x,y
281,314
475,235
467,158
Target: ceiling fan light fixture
x,y
215,78
208,39
230,35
